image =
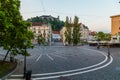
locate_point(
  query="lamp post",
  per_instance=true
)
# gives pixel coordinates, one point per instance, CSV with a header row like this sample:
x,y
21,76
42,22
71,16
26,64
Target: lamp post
x,y
25,46
49,33
44,34
108,50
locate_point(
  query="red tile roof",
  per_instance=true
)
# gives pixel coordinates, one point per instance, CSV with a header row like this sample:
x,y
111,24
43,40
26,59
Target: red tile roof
x,y
55,32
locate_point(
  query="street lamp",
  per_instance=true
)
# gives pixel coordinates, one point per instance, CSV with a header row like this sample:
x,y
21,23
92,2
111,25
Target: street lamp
x,y
49,33
108,50
25,47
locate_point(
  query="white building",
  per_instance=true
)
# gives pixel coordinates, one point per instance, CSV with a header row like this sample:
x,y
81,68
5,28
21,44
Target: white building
x,y
84,30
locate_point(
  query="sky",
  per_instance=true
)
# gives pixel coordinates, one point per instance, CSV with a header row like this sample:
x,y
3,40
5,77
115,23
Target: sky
x,y
93,13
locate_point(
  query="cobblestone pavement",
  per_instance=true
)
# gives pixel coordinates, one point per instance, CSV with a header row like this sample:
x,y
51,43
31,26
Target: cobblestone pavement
x,y
111,72
65,58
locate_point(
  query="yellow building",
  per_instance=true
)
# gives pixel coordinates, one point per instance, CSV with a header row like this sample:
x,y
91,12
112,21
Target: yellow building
x,y
115,25
39,28
115,28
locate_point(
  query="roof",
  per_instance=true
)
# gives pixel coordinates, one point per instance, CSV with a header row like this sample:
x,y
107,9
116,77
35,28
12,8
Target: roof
x,y
55,32
115,16
85,27
92,33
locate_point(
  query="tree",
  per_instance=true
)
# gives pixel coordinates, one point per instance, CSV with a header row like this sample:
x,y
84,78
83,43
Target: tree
x,y
40,39
100,36
68,32
107,37
76,31
56,24
13,30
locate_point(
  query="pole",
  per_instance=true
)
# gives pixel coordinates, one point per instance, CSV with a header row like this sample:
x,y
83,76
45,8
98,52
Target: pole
x,y
50,32
44,34
25,64
108,51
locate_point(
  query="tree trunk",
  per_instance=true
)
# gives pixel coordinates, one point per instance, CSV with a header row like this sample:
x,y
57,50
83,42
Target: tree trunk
x,y
6,54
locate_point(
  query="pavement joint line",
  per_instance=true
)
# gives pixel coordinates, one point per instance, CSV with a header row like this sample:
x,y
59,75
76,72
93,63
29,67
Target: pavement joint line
x,y
74,69
96,51
49,57
76,73
63,72
39,57
59,56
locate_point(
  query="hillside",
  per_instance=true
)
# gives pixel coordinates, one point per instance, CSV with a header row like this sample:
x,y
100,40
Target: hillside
x,y
56,24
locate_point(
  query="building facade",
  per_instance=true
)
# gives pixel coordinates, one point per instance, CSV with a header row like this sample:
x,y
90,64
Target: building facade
x,y
115,25
62,31
39,28
84,30
56,36
115,28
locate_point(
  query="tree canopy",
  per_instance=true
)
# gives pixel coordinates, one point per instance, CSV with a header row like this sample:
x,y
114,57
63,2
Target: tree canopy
x,y
13,29
40,39
56,24
101,36
68,32
72,33
76,31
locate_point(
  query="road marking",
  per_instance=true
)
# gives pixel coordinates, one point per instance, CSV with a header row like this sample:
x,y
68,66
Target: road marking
x,y
49,57
76,73
69,71
14,79
39,57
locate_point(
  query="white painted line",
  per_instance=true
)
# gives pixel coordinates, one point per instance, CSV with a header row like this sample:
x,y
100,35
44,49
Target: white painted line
x,y
39,57
76,73
80,72
72,70
49,57
14,79
61,72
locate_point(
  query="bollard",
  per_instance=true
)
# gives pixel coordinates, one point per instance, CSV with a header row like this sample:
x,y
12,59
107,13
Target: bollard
x,y
11,59
28,75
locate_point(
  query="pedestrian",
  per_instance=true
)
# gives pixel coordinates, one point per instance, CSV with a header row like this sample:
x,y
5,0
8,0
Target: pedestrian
x,y
108,51
98,45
